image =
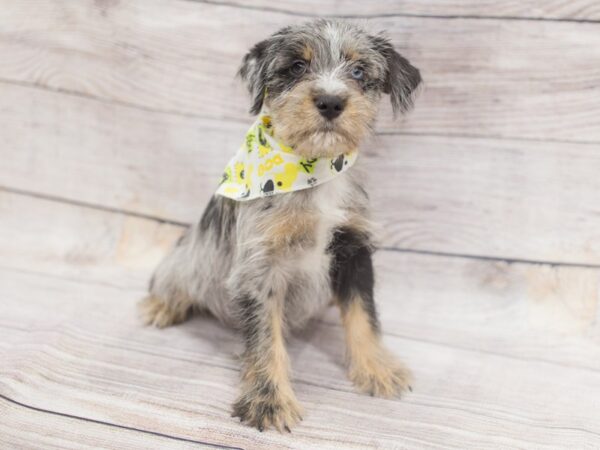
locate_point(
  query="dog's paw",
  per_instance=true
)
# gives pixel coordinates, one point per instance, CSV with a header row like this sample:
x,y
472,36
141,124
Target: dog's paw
x,y
268,406
153,311
380,375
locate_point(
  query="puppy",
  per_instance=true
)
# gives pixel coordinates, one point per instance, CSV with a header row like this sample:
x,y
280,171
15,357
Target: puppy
x,y
268,264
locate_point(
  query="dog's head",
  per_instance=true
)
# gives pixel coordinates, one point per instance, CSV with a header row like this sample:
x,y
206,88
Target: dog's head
x,y
322,81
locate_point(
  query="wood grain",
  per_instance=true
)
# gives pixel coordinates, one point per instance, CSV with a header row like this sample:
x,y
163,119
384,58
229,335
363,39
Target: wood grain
x,y
89,357
511,9
25,428
504,198
524,79
477,334
63,240
530,311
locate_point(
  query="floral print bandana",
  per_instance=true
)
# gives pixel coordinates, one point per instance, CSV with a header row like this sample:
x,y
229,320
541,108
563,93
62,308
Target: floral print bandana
x,y
263,166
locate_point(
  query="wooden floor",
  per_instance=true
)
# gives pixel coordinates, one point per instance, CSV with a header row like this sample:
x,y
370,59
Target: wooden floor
x,y
116,118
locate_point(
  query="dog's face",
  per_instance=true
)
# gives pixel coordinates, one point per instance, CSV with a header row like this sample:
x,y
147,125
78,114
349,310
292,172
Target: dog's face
x,y
322,82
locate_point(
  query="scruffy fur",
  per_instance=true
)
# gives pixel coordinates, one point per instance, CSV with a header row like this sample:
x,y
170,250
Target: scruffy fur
x,y
269,265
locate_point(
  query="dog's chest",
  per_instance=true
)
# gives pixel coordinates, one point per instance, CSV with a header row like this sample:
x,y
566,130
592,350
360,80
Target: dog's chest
x,y
309,267
310,264
329,205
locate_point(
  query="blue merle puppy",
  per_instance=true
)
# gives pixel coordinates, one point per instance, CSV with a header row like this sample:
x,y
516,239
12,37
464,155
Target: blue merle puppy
x,y
268,265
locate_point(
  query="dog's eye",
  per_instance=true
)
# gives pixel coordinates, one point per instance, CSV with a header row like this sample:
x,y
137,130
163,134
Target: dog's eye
x,y
358,73
298,68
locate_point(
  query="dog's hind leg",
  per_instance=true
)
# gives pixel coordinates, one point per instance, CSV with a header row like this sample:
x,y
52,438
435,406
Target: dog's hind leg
x,y
190,275
168,301
159,313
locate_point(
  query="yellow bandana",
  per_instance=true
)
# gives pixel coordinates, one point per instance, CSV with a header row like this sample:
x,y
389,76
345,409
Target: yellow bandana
x,y
262,167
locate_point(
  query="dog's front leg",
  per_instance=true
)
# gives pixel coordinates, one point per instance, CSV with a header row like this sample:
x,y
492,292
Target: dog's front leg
x,y
372,368
267,398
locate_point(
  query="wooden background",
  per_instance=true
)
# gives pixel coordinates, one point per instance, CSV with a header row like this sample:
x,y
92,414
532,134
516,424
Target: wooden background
x,y
116,118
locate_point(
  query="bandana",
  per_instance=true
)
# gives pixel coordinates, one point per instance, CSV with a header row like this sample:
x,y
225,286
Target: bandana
x,y
263,167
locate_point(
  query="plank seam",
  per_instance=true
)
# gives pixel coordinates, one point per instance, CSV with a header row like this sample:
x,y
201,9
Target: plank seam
x,y
386,332
70,416
162,220
82,204
495,137
390,15
113,425
130,288
492,258
352,391
108,101
189,115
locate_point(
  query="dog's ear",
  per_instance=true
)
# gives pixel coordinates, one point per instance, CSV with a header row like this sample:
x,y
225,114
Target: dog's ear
x,y
253,72
401,77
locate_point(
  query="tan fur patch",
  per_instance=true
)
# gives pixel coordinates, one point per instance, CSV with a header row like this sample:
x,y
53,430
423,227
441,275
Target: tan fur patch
x,y
357,116
359,223
278,365
161,314
352,54
372,368
267,398
272,361
297,121
307,53
286,231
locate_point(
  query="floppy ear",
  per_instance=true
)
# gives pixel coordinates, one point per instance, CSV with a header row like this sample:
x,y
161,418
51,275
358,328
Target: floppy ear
x,y
253,73
401,79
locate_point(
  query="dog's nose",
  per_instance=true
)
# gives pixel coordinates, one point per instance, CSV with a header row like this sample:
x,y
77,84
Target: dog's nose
x,y
330,106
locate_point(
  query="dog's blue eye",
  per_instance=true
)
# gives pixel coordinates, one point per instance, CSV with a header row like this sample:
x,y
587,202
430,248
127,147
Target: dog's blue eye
x,y
298,68
358,73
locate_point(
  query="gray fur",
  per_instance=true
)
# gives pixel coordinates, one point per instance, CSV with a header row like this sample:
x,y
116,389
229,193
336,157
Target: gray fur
x,y
209,273
271,264
263,68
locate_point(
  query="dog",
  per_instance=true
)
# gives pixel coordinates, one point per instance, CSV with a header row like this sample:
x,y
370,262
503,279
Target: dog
x,y
267,265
